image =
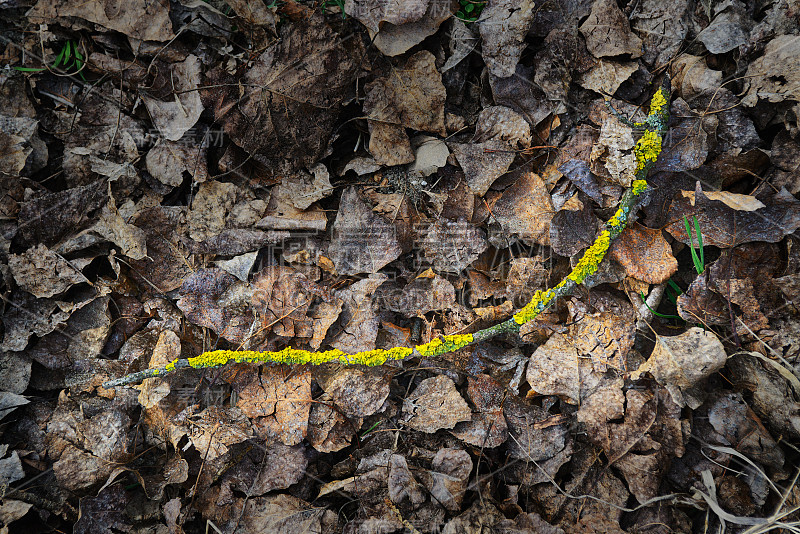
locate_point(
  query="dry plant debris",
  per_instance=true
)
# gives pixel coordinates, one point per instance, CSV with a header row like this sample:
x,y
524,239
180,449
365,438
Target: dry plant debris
x,y
314,179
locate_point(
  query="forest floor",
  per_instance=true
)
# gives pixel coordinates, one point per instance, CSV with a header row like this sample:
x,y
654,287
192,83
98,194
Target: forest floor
x,y
183,176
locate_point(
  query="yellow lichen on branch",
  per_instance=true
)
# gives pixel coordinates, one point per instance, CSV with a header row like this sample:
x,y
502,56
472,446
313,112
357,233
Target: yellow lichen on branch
x,y
647,150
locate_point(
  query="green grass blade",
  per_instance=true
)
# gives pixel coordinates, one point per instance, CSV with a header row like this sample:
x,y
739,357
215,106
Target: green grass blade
x,y
641,294
59,58
695,257
700,242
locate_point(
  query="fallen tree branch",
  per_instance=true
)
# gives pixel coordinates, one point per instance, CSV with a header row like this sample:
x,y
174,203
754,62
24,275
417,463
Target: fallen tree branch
x,y
647,149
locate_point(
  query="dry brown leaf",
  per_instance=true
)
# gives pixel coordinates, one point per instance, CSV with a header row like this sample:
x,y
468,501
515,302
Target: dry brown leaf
x,y
15,372
176,117
140,19
525,209
606,77
532,436
447,480
281,214
434,405
303,188
261,471
362,242
84,449
726,227
48,217
575,225
166,266
612,155
357,392
166,350
324,315
645,254
216,429
729,29
681,361
488,427
520,93
328,429
608,32
43,273
430,155
210,206
605,331
451,246
283,513
359,322
525,276
409,97
738,426
291,94
636,429
556,369
277,402
693,75
774,76
168,160
215,299
499,123
775,391
420,296
402,484
281,297
503,26
396,26
663,26
483,163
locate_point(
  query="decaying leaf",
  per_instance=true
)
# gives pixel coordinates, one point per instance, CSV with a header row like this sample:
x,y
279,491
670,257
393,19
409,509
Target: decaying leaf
x,y
725,227
435,404
43,273
775,391
555,369
483,163
738,426
608,32
605,331
396,26
218,300
277,403
409,97
451,246
175,117
140,19
329,430
488,427
359,322
606,77
662,26
525,209
362,242
612,156
503,26
729,29
166,265
773,76
681,362
292,94
534,434
169,160
448,477
645,254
